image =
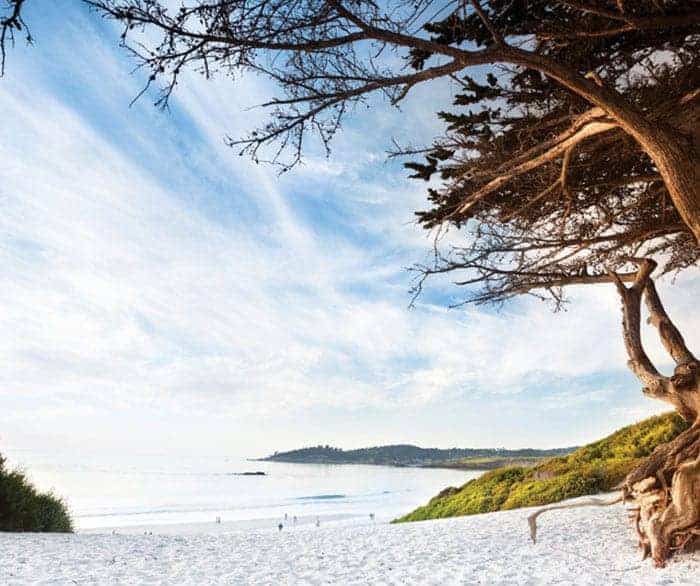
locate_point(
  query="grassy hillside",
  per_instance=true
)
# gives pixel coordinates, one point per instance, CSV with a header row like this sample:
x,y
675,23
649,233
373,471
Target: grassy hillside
x,y
23,508
491,463
593,468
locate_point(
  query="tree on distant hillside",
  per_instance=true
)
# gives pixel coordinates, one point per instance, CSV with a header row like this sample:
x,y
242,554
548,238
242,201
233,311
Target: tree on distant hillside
x,y
572,160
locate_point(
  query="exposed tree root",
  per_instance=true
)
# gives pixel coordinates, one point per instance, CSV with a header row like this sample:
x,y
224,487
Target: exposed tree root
x,y
665,490
667,457
666,501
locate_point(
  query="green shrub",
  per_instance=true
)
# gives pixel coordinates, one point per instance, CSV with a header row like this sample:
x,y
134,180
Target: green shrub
x,y
597,467
22,508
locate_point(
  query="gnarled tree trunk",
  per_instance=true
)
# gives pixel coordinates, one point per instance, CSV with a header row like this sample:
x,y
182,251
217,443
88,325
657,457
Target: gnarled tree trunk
x,y
677,160
665,488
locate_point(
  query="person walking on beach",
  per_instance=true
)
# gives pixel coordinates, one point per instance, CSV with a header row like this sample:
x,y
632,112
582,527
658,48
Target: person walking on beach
x,y
279,527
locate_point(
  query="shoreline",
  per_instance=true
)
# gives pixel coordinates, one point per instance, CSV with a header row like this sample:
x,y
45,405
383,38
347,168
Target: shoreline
x,y
224,527
467,467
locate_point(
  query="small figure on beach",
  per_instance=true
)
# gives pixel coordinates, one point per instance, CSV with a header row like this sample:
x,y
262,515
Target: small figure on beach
x,y
218,519
285,516
318,522
294,519
371,516
280,526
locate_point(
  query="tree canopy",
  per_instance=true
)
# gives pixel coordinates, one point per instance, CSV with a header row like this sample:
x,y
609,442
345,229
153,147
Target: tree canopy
x,y
550,189
568,157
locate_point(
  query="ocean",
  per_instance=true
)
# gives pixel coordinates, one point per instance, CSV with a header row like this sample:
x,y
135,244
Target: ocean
x,y
140,491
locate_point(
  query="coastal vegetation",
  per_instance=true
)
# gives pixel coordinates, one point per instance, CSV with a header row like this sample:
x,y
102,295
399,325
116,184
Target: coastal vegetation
x,y
491,463
24,508
408,455
597,467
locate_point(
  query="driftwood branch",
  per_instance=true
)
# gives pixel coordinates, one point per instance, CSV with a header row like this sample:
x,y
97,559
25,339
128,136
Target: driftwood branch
x,y
594,502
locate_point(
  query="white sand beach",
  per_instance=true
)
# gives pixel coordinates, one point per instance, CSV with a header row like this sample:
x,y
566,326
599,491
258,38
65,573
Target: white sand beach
x,y
582,546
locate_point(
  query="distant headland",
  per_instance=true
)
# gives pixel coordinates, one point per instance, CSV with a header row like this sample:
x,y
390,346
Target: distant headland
x,y
414,456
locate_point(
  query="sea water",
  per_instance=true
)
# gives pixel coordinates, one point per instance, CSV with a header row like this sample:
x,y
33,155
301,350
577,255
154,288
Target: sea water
x,y
148,490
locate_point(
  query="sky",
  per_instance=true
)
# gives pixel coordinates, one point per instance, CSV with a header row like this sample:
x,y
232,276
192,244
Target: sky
x,y
161,294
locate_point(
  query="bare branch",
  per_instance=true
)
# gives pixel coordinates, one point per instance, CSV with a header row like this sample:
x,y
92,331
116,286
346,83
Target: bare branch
x,y
639,362
9,26
555,152
497,37
668,332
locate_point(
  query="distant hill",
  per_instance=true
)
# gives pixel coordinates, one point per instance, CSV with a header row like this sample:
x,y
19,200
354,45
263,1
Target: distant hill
x,y
594,468
408,455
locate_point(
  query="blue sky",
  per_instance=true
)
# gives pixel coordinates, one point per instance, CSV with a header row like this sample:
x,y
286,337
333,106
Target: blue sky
x,y
161,293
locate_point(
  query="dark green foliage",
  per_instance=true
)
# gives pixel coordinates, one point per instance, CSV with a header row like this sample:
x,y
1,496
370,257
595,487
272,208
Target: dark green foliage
x,y
594,468
23,508
407,455
535,220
